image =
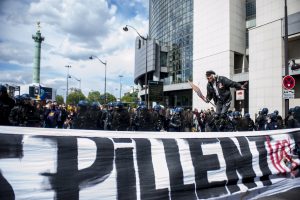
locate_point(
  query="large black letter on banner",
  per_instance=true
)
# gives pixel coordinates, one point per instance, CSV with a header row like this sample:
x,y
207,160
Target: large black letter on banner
x,y
126,180
146,172
178,189
10,147
238,162
203,164
263,158
67,179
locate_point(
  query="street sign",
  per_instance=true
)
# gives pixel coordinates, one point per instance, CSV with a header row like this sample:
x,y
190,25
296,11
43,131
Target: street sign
x,y
288,94
156,92
240,94
288,82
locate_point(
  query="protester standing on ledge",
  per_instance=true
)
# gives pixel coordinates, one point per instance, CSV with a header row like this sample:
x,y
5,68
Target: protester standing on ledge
x,y
218,89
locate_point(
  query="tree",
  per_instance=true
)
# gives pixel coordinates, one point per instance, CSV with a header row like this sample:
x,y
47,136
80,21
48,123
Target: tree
x,y
59,99
75,96
130,97
110,97
94,96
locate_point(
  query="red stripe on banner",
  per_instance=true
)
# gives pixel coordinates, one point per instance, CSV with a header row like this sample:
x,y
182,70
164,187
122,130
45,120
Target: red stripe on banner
x,y
271,153
280,150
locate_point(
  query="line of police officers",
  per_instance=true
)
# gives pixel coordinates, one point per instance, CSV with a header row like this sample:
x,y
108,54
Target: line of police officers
x,y
23,111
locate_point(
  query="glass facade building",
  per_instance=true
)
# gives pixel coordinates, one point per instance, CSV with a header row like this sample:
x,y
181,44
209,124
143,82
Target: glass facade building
x,y
171,25
167,54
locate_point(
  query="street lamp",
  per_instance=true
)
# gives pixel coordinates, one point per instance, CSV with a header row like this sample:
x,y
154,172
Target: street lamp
x,y
286,56
68,76
146,75
104,63
120,85
79,80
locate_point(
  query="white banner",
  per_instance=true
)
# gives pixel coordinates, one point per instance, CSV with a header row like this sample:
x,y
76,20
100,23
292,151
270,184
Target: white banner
x,y
40,164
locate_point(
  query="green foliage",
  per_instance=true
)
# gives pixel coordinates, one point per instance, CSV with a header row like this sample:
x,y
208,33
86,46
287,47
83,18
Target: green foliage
x,y
59,99
110,97
75,96
94,96
130,97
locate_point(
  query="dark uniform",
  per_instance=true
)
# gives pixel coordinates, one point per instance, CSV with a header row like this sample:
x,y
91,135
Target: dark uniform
x,y
158,118
120,118
261,120
81,119
6,104
188,120
249,122
15,113
107,116
272,122
176,121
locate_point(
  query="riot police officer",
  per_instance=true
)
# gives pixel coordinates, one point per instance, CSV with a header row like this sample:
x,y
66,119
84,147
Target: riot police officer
x,y
95,115
249,122
107,116
6,104
261,120
176,120
158,118
15,113
144,119
81,119
121,118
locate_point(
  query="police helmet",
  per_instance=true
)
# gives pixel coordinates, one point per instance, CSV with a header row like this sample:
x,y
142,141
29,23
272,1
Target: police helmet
x,y
264,111
95,105
247,115
273,116
291,110
3,89
236,114
178,110
18,99
276,112
83,103
119,105
110,104
142,107
141,103
25,97
297,111
157,107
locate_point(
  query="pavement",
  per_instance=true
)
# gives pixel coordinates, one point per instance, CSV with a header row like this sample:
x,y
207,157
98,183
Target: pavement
x,y
293,194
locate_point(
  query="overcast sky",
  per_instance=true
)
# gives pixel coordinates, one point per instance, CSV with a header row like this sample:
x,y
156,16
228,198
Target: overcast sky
x,y
73,30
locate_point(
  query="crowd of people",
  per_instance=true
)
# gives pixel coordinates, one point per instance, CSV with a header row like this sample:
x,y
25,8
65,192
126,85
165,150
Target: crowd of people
x,y
25,111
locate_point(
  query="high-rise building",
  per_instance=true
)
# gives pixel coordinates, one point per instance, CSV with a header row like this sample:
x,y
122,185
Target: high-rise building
x,y
240,39
170,50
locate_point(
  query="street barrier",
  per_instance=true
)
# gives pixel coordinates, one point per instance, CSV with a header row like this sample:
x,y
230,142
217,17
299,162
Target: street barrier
x,y
38,163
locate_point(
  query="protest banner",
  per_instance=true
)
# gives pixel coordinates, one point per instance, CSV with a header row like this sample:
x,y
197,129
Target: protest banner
x,y
38,163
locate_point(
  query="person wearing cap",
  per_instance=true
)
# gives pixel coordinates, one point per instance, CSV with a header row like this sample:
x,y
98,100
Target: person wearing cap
x,y
218,89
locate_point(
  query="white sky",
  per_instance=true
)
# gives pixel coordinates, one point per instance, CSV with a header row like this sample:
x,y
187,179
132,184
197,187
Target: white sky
x,y
73,30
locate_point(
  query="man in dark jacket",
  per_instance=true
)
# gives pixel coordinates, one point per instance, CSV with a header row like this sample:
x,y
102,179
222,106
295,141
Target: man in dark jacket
x,y
218,89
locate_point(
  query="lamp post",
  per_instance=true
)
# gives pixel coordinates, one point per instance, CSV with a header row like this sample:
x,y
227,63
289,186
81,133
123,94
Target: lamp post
x,y
286,57
146,74
68,76
79,81
120,76
104,63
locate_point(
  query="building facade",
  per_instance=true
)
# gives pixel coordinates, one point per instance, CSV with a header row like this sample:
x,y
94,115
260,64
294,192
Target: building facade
x,y
240,39
169,51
